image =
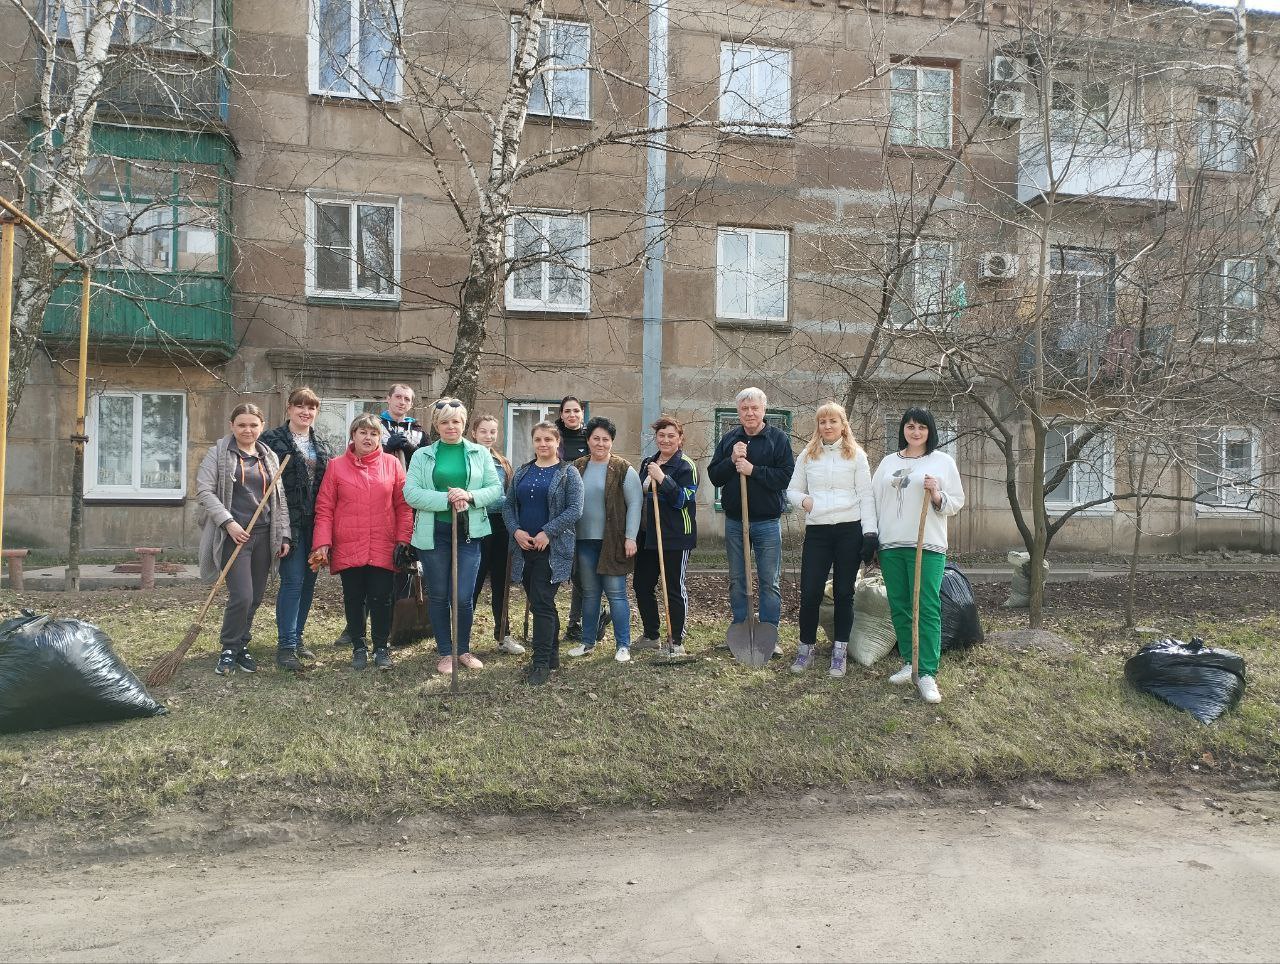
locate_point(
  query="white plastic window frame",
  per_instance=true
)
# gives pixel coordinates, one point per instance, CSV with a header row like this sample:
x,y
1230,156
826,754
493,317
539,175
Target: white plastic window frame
x,y
900,136
753,279
748,111
360,90
1211,122
1068,126
354,202
128,30
543,304
907,305
1069,431
135,491
1226,435
550,78
547,411
1226,287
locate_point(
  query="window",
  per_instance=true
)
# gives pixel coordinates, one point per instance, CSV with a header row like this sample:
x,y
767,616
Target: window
x,y
1089,475
755,88
727,421
947,433
163,24
137,446
751,274
521,418
353,248
1082,299
1229,466
924,287
333,421
354,49
562,88
151,217
1080,111
550,262
1219,138
920,106
1229,302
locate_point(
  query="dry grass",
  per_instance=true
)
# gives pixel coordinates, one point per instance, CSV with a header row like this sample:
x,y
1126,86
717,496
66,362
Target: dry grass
x,y
340,744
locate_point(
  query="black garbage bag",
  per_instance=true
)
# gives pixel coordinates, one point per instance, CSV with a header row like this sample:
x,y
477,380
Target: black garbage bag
x,y
58,672
961,627
1205,682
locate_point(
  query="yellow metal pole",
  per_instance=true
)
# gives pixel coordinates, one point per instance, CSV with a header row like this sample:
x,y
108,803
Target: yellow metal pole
x,y
8,228
71,580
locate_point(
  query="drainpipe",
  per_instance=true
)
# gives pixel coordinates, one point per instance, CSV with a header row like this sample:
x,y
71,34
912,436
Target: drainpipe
x,y
655,202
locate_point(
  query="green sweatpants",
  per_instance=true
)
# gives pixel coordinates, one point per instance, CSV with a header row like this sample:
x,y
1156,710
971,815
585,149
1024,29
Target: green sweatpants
x,y
899,568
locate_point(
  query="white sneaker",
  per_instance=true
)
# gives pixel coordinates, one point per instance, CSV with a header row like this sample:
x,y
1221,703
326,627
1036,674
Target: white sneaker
x,y
580,650
901,676
929,690
509,645
677,650
623,655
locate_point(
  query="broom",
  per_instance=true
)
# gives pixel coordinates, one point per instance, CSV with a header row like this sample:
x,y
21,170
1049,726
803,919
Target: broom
x,y
166,667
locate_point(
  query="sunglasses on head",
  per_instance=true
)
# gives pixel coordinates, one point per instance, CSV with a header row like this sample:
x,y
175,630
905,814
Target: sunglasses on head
x,y
448,403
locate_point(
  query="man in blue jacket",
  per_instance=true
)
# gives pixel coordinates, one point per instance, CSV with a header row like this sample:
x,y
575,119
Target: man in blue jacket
x,y
763,455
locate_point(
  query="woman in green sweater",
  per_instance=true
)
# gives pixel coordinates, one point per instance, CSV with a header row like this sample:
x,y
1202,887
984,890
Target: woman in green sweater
x,y
451,473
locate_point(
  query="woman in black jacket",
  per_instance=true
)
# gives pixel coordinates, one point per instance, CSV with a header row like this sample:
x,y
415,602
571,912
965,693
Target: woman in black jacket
x,y
676,477
301,482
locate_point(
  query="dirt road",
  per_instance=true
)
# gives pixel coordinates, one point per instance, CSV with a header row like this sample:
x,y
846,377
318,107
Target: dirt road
x,y
1181,877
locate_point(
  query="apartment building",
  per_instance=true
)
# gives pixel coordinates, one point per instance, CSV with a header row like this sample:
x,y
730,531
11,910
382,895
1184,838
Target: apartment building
x,y
848,188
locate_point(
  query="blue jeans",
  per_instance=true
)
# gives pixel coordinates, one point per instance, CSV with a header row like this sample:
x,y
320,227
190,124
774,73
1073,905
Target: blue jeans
x,y
766,547
436,564
593,584
293,602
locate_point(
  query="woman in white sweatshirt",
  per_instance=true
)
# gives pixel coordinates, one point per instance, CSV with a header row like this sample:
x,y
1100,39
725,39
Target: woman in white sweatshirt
x,y
903,480
832,483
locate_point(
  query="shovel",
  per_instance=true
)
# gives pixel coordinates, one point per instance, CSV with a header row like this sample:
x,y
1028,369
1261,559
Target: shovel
x,y
668,657
751,642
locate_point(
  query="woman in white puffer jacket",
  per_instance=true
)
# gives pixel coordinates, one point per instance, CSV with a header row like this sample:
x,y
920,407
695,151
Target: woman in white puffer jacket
x,y
832,483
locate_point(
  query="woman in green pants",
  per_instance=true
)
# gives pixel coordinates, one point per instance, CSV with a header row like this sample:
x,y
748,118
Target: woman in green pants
x,y
903,480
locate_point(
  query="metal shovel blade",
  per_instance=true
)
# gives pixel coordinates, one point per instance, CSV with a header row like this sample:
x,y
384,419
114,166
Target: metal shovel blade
x,y
752,642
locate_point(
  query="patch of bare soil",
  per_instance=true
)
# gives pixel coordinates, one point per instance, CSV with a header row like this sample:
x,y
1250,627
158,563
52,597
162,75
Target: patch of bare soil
x,y
1129,874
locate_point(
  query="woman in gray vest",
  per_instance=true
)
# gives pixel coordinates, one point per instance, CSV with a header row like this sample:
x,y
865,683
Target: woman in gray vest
x,y
611,499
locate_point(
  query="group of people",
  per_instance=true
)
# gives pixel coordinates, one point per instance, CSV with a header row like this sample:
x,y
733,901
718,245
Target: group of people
x,y
575,513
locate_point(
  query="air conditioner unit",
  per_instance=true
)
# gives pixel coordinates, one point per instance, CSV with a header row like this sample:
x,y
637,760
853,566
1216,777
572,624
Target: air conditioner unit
x,y
1008,106
1006,71
998,266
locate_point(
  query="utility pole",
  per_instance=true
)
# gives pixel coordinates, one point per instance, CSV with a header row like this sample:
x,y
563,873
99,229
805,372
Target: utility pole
x,y
655,202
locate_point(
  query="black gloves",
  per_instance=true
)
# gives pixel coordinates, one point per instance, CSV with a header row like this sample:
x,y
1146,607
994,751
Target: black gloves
x,y
404,556
870,543
395,442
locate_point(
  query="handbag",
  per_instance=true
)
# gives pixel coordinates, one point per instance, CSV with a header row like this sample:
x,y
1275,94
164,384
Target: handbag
x,y
410,621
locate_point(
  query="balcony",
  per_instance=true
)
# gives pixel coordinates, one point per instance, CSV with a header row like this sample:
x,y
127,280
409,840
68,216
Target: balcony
x,y
172,86
1084,358
1106,172
176,313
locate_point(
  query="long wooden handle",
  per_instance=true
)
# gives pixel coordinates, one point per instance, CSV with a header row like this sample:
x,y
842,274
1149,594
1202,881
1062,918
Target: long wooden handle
x,y
662,565
453,609
506,596
240,545
915,593
746,546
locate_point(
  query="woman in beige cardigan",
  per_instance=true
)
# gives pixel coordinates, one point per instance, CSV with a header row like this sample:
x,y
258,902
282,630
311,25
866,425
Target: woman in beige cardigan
x,y
232,481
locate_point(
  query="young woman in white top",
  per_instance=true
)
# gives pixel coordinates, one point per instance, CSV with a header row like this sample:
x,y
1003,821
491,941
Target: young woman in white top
x,y
832,483
902,482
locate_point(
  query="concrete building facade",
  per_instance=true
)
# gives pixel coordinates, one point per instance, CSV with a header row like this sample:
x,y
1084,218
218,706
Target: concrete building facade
x,y
837,173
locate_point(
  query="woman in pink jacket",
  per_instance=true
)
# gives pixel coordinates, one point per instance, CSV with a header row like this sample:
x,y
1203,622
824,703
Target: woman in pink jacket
x,y
361,519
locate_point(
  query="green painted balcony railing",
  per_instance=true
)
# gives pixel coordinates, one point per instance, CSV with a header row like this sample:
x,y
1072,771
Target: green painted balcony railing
x,y
171,312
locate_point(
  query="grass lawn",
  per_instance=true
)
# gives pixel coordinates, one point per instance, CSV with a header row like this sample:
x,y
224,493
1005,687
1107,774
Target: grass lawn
x,y
345,745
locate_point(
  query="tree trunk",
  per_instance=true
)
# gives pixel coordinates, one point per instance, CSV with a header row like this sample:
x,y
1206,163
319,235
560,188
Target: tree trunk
x,y
1040,532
